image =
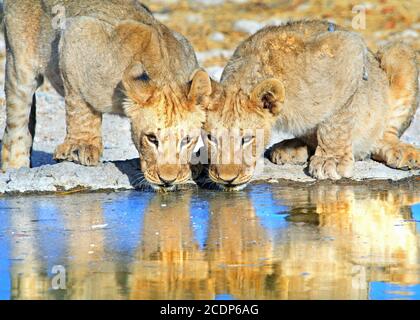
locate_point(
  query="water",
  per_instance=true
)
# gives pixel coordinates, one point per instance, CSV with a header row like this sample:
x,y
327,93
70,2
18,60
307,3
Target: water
x,y
268,242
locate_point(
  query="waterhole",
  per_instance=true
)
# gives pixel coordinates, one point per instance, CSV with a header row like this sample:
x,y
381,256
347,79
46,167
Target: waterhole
x,y
267,242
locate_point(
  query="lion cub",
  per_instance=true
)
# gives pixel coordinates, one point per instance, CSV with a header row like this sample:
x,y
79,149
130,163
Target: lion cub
x,y
320,83
104,56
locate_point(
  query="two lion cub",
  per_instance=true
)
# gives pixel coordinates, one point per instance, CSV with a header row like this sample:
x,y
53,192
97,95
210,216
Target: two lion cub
x,y
322,85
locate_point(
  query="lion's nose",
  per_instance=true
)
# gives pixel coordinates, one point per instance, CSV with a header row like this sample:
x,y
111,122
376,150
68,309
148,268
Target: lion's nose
x,y
168,174
229,181
227,175
167,181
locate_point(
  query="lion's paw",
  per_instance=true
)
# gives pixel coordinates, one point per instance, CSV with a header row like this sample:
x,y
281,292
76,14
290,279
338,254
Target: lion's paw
x,y
404,157
79,152
324,167
291,151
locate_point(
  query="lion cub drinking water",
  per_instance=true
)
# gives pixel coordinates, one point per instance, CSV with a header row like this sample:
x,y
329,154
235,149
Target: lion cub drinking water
x,y
321,84
104,56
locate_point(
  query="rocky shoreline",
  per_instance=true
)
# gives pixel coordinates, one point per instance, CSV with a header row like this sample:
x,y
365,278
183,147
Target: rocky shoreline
x,y
121,175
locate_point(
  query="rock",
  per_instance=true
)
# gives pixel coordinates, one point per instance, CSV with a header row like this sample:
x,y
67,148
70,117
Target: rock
x,y
67,176
164,2
120,175
208,3
409,33
275,22
303,7
194,18
368,5
252,26
206,55
247,26
162,17
364,170
217,37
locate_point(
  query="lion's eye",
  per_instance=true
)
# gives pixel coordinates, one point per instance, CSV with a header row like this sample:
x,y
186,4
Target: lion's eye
x,y
143,77
212,139
186,141
247,139
152,139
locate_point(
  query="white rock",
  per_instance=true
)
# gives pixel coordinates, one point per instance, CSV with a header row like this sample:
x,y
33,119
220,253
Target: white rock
x,y
207,3
303,7
217,36
274,22
164,1
252,26
409,33
205,55
194,18
368,5
378,34
162,17
247,26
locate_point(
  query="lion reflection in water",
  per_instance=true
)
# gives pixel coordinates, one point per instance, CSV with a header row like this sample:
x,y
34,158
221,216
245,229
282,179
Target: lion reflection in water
x,y
336,240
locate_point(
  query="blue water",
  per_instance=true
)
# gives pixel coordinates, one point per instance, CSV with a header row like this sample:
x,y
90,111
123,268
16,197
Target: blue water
x,y
268,242
5,281
382,290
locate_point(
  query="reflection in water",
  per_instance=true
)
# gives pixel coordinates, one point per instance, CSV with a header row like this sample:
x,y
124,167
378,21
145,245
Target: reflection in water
x,y
272,242
356,235
238,247
169,263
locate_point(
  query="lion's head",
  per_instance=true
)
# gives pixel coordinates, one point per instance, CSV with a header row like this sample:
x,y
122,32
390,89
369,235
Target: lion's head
x,y
166,94
238,127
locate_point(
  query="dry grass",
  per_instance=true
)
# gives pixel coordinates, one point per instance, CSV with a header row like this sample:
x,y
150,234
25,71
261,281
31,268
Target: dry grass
x,y
385,19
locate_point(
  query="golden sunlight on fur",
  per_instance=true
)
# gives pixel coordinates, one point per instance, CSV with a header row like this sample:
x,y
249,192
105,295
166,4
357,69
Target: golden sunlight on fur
x,y
342,102
110,57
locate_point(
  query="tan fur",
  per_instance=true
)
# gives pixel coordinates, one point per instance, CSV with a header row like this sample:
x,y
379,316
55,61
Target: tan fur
x,y
327,89
111,57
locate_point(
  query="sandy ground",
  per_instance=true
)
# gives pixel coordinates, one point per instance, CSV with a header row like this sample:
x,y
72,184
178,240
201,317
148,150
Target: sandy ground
x,y
214,30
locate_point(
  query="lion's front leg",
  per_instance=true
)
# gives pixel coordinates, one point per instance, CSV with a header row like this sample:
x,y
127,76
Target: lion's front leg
x,y
333,157
22,80
83,143
397,154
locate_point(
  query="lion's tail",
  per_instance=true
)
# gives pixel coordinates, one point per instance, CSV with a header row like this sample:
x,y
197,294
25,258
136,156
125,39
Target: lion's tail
x,y
399,62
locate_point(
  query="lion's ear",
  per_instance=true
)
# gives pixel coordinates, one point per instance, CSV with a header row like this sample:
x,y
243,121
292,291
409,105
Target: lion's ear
x,y
140,41
135,36
269,95
200,89
137,84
